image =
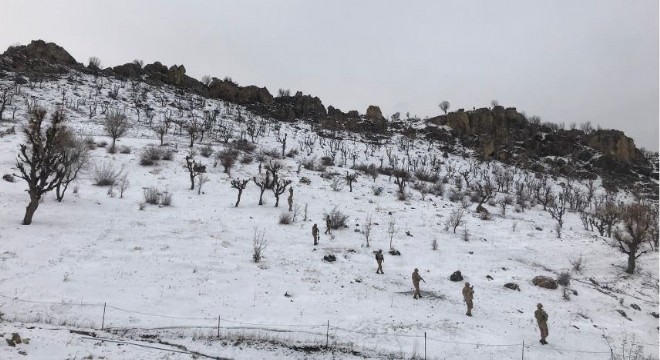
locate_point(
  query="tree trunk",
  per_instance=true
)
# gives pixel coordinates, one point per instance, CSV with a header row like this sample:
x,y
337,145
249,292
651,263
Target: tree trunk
x,y
631,262
30,210
192,181
261,195
277,200
239,198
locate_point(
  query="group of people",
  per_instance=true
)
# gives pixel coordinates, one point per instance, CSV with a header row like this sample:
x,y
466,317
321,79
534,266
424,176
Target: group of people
x,y
467,291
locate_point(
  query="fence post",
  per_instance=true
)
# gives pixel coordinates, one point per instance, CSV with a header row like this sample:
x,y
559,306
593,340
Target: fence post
x,y
218,325
103,319
424,345
327,335
523,350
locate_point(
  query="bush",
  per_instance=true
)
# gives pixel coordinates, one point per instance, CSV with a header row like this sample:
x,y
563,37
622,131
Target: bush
x,y
337,219
438,189
8,178
427,176
564,279
102,144
166,199
286,218
305,180
327,161
578,264
151,196
106,175
292,153
125,149
89,142
167,154
377,190
244,145
247,159
206,151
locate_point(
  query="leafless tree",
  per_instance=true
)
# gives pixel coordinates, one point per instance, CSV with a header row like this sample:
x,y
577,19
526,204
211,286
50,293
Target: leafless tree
x,y
279,187
123,185
638,223
350,179
259,243
391,230
455,219
40,161
206,80
239,185
195,169
557,209
116,125
6,95
367,227
76,159
227,159
444,106
262,184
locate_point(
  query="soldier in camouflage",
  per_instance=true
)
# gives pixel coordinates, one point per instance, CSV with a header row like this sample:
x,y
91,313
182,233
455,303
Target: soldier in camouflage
x,y
542,319
468,295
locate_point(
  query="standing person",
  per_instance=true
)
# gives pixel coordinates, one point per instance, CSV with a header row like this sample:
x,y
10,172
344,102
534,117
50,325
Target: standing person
x,y
379,260
415,279
315,234
542,319
328,224
290,199
468,295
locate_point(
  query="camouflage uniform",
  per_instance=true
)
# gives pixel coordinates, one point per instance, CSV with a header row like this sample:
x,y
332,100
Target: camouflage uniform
x,y
379,260
290,199
542,319
328,224
468,295
415,279
315,234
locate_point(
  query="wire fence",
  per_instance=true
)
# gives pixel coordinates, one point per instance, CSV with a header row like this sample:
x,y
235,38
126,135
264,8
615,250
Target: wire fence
x,y
102,316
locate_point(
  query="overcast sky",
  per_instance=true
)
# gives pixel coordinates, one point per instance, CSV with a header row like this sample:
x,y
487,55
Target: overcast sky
x,y
563,60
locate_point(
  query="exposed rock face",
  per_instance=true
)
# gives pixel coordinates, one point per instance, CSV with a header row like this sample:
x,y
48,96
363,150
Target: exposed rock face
x,y
374,113
38,56
128,70
290,108
616,144
175,74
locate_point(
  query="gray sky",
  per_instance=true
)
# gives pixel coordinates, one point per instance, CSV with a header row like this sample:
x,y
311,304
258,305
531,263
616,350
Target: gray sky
x,y
563,60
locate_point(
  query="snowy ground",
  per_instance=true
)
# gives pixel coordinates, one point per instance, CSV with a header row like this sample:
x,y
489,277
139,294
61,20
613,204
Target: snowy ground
x,y
167,274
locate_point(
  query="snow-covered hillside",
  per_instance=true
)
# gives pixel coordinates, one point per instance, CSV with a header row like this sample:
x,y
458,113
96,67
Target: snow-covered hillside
x,y
174,277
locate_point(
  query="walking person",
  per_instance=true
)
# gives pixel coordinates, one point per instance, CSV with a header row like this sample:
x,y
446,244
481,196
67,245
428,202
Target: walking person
x,y
315,234
415,279
542,320
468,295
379,260
328,224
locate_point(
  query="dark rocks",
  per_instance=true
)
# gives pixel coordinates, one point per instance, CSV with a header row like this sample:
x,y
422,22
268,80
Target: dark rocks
x,y
8,178
394,252
329,258
512,286
636,307
489,277
623,313
545,282
655,315
456,276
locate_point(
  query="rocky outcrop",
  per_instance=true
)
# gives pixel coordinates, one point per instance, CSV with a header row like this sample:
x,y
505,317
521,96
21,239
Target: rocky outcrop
x,y
38,57
374,113
175,74
616,144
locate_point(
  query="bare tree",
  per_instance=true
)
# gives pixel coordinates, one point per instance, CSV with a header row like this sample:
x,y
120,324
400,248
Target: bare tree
x,y
638,226
444,106
557,209
507,200
485,192
206,80
262,184
367,227
76,159
123,185
239,185
391,230
194,169
606,216
227,159
94,64
455,219
6,95
116,125
40,159
279,187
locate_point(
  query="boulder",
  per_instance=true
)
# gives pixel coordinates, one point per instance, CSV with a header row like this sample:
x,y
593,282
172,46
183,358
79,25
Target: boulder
x,y
329,258
545,282
512,286
456,276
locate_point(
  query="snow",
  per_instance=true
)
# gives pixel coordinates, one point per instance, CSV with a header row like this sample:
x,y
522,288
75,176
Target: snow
x,y
173,271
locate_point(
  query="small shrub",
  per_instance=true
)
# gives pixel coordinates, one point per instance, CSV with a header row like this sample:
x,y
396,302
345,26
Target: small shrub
x,y
455,196
168,154
112,150
427,176
166,199
273,153
247,159
125,149
337,184
89,142
106,175
102,144
578,264
305,180
377,190
154,153
142,205
327,161
146,160
292,153
337,219
438,189
244,145
286,218
259,242
206,151
402,196
466,234
151,196
8,178
309,163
